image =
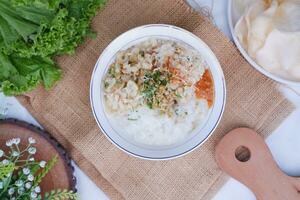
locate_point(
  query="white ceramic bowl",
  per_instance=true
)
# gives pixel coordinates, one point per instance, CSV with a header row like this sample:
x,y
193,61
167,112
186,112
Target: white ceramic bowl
x,y
135,36
233,16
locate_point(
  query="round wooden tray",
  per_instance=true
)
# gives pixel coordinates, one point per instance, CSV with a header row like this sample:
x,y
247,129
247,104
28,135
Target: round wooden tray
x,y
61,176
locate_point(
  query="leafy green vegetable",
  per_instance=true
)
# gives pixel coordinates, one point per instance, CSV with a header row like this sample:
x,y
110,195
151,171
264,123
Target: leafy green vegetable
x,y
33,32
7,32
15,20
19,74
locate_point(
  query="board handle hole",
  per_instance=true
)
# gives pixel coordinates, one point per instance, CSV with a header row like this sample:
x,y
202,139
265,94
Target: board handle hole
x,y
242,154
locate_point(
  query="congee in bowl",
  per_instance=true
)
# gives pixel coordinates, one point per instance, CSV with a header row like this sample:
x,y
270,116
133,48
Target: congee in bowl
x,y
158,91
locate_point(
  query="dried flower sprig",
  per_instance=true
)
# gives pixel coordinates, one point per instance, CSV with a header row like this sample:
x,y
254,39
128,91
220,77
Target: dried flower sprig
x,y
21,174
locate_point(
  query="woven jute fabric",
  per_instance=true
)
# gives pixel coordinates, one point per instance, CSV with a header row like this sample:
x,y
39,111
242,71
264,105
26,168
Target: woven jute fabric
x,y
65,111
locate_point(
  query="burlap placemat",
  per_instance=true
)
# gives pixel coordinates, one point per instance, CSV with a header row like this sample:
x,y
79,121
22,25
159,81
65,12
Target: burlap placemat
x,y
252,101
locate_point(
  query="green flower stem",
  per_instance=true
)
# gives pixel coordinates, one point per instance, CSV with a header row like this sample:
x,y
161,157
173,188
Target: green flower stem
x,y
5,187
17,146
25,149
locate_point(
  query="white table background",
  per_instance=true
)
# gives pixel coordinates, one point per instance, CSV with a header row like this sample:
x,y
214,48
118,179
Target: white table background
x,y
284,142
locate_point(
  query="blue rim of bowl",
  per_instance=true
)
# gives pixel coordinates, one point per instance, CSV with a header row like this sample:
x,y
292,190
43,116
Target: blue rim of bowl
x,y
249,59
142,156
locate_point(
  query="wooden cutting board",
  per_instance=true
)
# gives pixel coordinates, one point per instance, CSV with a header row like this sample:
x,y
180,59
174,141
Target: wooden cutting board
x,y
244,155
61,175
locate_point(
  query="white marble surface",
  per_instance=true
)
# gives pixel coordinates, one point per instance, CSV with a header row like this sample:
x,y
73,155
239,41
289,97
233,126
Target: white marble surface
x,y
284,142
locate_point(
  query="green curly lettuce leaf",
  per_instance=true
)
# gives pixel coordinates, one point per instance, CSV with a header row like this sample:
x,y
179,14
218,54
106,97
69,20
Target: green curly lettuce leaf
x,y
19,75
33,32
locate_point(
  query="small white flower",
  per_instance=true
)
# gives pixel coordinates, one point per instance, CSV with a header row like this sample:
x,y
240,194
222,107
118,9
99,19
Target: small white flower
x,y
9,143
37,189
11,191
15,154
31,140
32,150
16,141
42,164
26,171
1,185
1,153
5,162
33,195
31,159
13,140
30,177
28,185
21,190
19,183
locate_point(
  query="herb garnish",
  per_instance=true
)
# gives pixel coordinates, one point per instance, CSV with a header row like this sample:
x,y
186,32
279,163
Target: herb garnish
x,y
106,84
112,72
152,82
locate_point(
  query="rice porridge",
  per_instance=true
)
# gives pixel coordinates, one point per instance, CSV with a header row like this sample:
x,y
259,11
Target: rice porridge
x,y
157,92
